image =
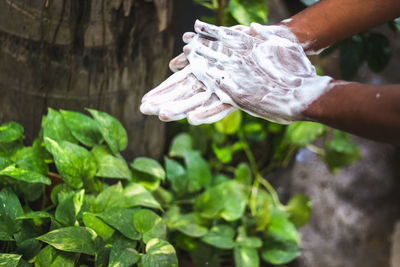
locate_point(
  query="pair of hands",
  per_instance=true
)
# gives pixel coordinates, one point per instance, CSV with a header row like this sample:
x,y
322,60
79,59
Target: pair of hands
x,y
262,70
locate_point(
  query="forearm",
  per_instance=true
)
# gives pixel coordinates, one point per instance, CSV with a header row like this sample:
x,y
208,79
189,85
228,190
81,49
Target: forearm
x,y
330,21
366,110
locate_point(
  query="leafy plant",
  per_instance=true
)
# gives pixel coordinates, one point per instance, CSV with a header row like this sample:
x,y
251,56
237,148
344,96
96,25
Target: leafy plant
x,y
71,199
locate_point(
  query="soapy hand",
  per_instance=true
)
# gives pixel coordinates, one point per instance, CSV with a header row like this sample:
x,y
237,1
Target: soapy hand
x,y
182,95
270,78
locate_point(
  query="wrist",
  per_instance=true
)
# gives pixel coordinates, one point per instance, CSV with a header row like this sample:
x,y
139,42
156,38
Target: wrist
x,y
304,36
320,109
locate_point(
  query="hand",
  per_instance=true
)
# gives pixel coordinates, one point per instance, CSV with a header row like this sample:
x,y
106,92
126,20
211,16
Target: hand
x,y
270,78
183,96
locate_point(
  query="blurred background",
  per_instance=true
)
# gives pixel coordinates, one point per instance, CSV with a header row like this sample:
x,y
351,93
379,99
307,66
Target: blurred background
x,y
107,54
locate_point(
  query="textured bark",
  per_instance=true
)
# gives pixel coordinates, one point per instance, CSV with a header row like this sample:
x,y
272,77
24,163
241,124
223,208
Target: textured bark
x,y
72,54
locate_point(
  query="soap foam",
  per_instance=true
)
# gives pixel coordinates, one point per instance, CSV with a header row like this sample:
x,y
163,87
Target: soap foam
x,y
271,78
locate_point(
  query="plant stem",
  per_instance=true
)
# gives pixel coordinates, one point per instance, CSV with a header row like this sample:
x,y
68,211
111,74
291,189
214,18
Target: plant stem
x,y
221,11
258,178
317,150
247,151
271,191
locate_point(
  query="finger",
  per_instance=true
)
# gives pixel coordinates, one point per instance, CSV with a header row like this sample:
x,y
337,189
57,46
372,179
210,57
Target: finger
x,y
210,112
178,63
177,110
208,30
180,91
188,36
229,36
241,28
259,31
208,49
168,84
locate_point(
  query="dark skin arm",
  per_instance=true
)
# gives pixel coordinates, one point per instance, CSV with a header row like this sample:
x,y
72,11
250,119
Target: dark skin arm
x,y
370,111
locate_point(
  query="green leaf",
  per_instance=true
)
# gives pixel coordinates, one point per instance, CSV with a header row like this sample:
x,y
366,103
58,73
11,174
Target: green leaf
x,y
198,172
303,132
280,240
378,51
144,220
247,11
45,257
255,130
243,174
110,198
102,256
180,144
71,239
121,219
122,256
31,192
32,158
61,192
245,241
49,256
110,166
227,199
159,253
209,203
149,166
261,209
246,257
351,56
149,224
82,127
159,230
10,209
35,215
92,221
220,236
189,224
136,195
68,209
8,150
11,131
24,175
231,123
147,172
176,175
235,198
5,162
112,130
4,236
10,205
54,127
29,247
299,209
224,154
9,260
74,163
340,151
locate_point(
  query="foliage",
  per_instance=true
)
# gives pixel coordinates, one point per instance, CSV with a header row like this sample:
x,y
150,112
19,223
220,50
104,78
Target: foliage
x,y
88,209
71,199
236,11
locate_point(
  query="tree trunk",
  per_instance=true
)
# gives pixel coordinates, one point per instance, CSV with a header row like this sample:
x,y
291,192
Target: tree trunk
x,y
72,54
